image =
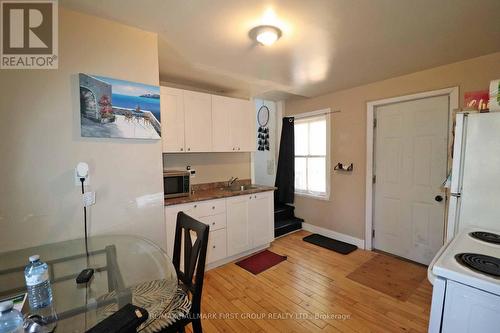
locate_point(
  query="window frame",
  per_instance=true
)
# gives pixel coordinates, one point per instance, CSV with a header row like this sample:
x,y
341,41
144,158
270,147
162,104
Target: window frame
x,y
326,113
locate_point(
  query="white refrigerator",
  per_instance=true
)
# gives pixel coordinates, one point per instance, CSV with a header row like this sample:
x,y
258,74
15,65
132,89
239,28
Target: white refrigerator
x,y
475,180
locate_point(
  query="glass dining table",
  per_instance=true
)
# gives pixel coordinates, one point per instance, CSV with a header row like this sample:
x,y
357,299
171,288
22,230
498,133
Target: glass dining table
x,y
128,269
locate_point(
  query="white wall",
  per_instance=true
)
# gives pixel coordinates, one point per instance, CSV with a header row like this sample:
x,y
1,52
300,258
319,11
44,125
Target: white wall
x,y
210,167
265,161
345,211
40,142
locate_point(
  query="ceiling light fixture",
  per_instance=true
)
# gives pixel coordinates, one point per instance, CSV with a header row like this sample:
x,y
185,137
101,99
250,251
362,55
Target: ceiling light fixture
x,y
265,34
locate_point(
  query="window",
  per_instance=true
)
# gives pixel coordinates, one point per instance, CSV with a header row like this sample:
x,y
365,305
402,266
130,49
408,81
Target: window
x,y
312,160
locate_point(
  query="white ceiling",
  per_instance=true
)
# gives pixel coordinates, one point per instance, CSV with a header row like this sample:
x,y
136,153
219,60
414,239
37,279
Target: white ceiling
x,y
327,45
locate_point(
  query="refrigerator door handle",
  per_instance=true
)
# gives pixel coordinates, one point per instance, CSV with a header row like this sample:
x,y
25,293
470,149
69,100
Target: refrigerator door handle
x,y
456,195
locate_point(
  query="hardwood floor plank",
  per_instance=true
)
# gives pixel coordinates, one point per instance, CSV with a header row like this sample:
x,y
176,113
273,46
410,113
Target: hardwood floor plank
x,y
298,294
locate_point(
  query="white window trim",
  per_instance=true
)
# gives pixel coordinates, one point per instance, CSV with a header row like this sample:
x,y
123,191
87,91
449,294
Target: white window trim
x,y
327,114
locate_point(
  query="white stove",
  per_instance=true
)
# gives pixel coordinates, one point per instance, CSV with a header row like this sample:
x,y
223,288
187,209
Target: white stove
x,y
466,279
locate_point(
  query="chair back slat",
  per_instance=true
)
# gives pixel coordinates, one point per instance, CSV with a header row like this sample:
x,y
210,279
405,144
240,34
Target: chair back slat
x,y
194,256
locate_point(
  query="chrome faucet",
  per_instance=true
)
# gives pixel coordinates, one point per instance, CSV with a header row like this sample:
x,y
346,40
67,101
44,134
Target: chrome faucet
x,y
231,181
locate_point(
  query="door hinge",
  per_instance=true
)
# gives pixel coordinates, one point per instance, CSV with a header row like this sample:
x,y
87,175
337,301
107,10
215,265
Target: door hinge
x,y
374,122
373,233
374,179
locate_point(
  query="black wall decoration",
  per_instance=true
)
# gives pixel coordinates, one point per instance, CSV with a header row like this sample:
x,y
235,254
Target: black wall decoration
x,y
263,131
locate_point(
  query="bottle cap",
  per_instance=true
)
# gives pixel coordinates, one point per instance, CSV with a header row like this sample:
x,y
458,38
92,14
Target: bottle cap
x,y
6,306
34,257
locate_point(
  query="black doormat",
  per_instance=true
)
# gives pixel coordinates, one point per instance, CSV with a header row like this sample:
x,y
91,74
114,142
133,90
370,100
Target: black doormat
x,y
330,244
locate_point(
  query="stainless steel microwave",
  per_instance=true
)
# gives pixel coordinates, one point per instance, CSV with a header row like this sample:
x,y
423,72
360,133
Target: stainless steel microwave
x,y
176,183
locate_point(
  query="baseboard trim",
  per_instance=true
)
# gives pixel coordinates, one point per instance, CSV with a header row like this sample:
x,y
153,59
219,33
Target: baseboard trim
x,y
333,234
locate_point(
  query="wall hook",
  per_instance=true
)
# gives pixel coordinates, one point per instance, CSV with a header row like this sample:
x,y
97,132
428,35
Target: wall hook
x,y
343,167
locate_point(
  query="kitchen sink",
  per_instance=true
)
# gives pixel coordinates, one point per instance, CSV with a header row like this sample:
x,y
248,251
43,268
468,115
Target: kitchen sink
x,y
240,188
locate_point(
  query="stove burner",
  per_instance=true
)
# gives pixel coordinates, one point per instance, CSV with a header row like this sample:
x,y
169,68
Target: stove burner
x,y
486,236
481,263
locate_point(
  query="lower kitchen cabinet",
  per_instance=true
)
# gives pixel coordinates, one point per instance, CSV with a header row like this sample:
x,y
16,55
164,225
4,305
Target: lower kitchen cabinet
x,y
237,224
261,218
239,238
216,246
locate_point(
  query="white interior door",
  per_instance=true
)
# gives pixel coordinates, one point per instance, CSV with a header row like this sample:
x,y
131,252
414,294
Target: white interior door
x,y
410,166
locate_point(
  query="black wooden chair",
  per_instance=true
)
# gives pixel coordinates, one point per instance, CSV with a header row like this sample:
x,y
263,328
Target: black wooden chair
x,y
188,297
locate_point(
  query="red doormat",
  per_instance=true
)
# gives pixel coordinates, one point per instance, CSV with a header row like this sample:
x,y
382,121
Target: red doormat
x,y
261,261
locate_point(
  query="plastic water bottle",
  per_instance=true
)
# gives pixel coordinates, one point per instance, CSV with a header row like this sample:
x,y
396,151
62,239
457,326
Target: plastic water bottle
x,y
11,320
36,275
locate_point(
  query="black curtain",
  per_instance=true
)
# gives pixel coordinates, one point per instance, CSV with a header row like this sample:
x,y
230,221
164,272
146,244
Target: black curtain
x,y
285,173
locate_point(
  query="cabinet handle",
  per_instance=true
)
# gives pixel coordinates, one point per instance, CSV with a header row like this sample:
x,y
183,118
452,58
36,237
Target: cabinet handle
x,y
213,247
234,148
189,149
213,223
250,197
255,196
182,149
195,206
213,207
238,148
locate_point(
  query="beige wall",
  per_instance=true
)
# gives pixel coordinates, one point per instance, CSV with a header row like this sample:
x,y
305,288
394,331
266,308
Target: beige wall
x,y
210,167
41,144
345,212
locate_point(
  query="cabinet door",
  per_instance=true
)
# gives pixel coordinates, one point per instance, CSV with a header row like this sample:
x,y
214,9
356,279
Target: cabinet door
x,y
198,121
248,136
238,231
172,120
216,249
222,123
260,217
243,134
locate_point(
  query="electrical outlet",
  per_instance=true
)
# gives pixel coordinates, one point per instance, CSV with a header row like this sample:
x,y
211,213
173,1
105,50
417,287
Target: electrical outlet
x,y
88,199
79,183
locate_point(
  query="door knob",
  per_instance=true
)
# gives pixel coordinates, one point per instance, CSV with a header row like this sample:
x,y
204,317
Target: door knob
x,y
438,198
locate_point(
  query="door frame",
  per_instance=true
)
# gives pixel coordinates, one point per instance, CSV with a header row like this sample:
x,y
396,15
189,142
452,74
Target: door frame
x,y
452,93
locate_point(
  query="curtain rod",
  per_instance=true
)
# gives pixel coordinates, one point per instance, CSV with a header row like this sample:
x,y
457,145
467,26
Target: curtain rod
x,y
314,113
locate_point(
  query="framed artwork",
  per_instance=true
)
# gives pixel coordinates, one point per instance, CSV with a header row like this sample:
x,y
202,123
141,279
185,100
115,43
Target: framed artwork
x,y
111,108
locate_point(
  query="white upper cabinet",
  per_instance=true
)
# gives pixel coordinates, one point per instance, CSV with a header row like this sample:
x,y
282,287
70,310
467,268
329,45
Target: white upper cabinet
x,y
172,119
233,124
222,107
198,120
243,122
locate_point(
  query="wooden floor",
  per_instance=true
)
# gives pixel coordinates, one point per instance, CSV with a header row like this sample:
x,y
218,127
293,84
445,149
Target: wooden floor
x,y
307,293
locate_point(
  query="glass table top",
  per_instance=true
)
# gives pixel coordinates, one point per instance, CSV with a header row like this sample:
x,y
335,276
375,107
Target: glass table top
x,y
127,269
